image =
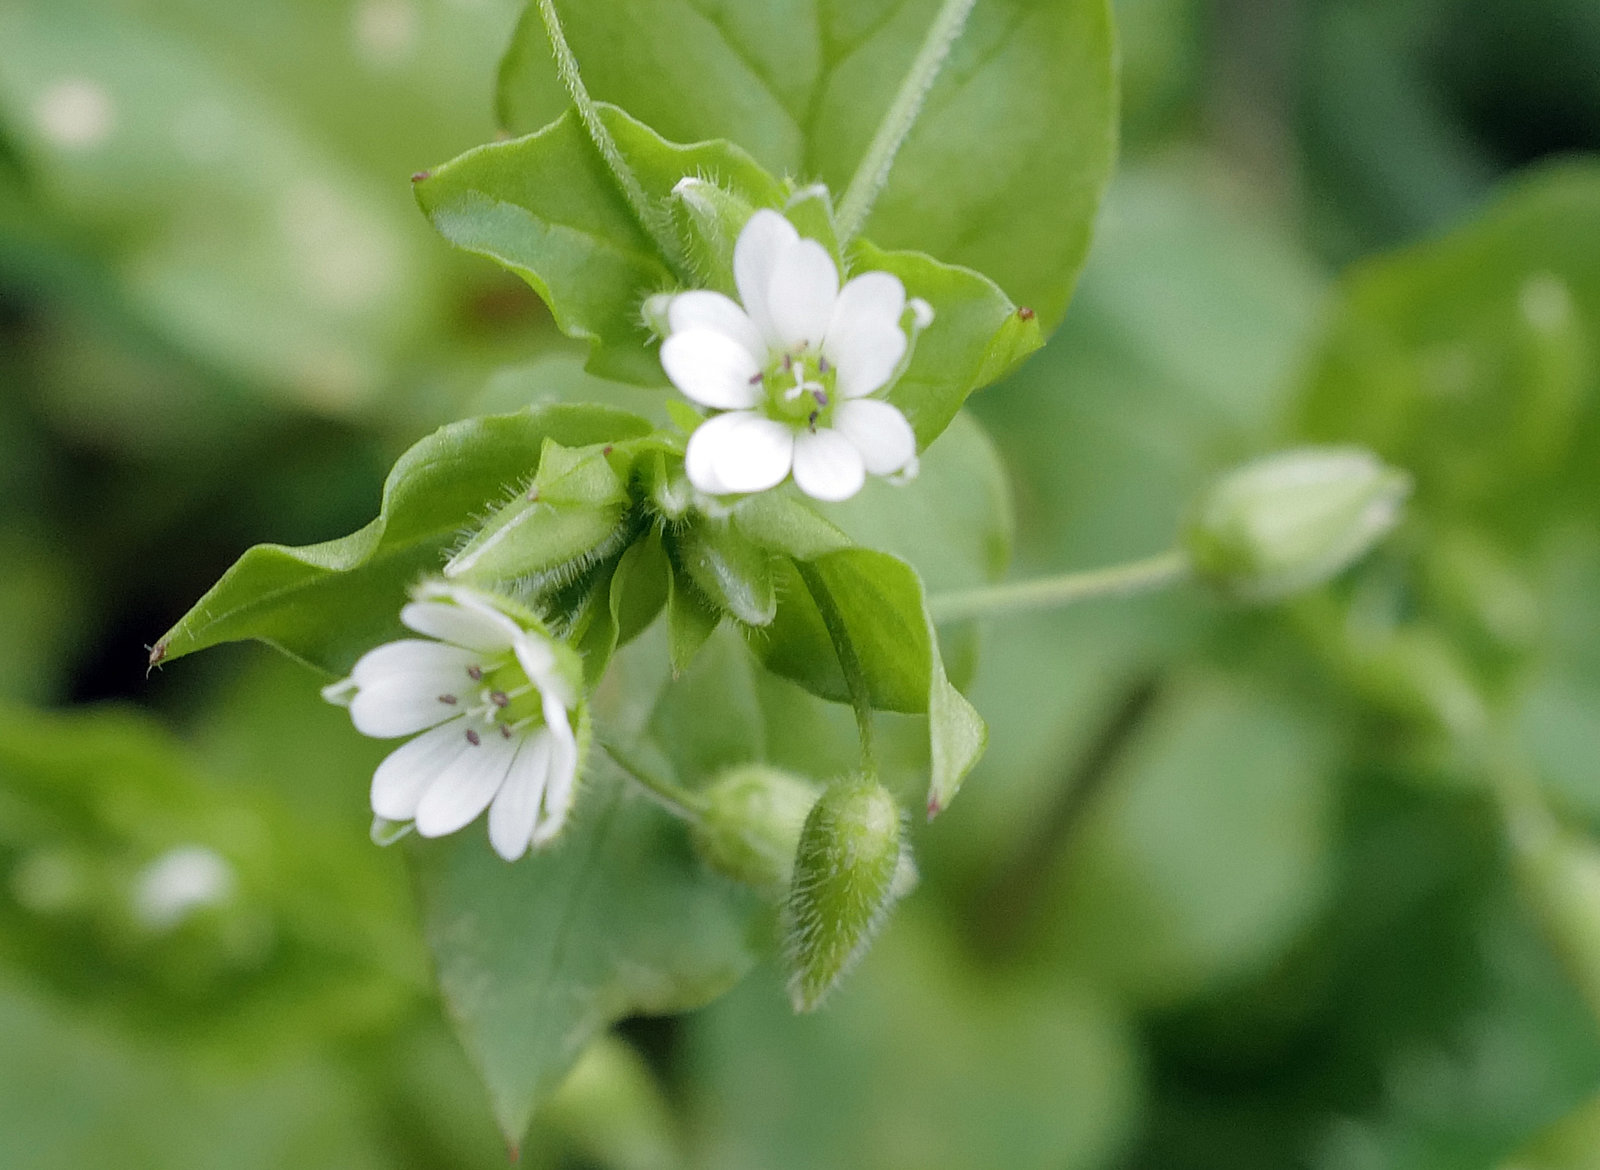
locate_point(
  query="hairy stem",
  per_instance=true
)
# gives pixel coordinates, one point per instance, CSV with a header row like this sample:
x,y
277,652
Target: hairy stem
x,y
873,171
1144,576
855,679
680,802
651,217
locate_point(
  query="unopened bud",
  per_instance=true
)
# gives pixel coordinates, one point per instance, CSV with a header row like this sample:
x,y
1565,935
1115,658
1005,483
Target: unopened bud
x,y
847,874
1293,520
750,826
710,220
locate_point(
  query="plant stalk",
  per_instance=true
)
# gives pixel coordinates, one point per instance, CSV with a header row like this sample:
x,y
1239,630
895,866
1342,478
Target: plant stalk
x,y
872,173
1145,576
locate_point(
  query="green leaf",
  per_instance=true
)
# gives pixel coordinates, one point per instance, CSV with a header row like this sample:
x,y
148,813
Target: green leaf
x,y
879,598
326,604
547,208
536,959
691,619
1002,173
976,338
639,587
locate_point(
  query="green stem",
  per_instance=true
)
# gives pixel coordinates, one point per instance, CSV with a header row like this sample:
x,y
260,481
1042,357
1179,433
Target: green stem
x,y
1144,576
873,171
651,217
855,679
680,802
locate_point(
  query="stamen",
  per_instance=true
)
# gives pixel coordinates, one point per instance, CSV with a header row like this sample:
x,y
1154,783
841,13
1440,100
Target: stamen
x,y
500,699
822,366
820,395
812,421
505,732
472,737
755,379
450,699
788,362
475,673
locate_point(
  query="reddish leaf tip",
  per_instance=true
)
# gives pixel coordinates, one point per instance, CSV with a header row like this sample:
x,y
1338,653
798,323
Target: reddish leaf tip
x,y
421,176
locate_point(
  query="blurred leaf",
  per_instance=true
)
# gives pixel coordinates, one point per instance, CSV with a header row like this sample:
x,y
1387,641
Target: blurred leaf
x,y
884,1077
536,959
328,603
1002,173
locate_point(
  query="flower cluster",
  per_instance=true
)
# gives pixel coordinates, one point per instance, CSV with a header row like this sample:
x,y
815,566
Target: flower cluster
x,y
493,698
792,371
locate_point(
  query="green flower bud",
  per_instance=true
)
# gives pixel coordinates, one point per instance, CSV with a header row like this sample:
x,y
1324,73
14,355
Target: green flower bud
x,y
1293,520
709,219
847,874
750,826
569,516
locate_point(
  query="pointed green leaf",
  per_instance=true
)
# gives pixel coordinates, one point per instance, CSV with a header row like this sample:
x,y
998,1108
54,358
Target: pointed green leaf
x,y
536,959
326,604
732,571
1003,172
691,619
546,207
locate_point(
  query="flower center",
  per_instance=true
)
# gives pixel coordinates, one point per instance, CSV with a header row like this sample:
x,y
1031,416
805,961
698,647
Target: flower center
x,y
800,390
497,698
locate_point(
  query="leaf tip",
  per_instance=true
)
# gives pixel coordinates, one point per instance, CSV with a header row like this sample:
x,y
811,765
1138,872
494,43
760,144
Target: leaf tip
x,y
935,807
421,176
158,654
1024,313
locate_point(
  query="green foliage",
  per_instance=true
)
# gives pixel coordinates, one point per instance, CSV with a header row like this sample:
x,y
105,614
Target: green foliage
x,y
1002,173
328,603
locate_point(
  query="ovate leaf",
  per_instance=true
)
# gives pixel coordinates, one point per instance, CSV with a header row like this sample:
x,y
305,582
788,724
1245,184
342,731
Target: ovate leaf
x,y
547,208
536,959
1002,173
326,604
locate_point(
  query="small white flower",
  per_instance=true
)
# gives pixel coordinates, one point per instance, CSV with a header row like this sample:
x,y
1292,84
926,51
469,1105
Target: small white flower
x,y
493,701
792,370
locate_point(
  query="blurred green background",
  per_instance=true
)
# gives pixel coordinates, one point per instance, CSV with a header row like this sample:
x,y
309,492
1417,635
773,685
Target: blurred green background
x,y
1313,886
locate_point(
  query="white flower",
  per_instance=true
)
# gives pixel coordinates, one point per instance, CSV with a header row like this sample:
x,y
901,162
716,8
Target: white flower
x,y
792,370
493,701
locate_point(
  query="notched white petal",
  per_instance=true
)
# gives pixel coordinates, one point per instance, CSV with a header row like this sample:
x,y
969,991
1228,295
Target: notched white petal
x,y
402,705
702,308
516,806
406,772
460,793
805,285
739,452
880,432
712,369
474,628
430,663
827,466
755,253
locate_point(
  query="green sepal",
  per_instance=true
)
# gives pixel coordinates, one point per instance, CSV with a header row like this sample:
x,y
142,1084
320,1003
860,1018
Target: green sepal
x,y
782,523
709,219
639,586
732,571
691,620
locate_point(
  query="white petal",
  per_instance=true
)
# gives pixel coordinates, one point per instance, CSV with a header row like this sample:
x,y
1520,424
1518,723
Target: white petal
x,y
477,628
704,309
755,253
865,342
739,452
465,788
879,431
712,369
805,285
413,656
563,777
538,661
827,465
406,703
406,772
516,808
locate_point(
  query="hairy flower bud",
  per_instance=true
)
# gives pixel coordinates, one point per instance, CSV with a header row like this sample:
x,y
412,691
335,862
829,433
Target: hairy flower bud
x,y
1293,520
750,825
710,219
847,874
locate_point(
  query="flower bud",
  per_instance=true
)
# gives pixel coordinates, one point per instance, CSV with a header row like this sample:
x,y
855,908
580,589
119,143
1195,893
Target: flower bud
x,y
750,826
710,219
1293,520
847,874
570,515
